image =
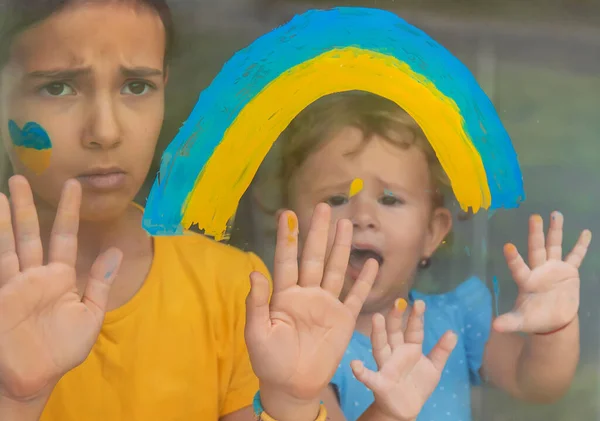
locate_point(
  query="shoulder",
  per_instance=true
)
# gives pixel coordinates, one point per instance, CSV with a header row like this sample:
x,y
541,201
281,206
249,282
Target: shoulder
x,y
214,268
211,255
472,292
470,303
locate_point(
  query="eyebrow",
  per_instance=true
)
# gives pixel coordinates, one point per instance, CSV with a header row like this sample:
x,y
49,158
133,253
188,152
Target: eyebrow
x,y
334,187
394,187
58,73
129,72
140,71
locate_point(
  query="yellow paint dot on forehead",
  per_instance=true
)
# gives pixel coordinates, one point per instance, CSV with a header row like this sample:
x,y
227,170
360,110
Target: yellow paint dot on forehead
x,y
356,186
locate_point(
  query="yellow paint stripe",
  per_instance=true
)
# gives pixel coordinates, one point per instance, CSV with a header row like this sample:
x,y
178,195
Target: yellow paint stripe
x,y
36,160
247,141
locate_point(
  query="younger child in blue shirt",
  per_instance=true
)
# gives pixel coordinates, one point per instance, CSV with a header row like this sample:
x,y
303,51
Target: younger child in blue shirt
x,y
370,161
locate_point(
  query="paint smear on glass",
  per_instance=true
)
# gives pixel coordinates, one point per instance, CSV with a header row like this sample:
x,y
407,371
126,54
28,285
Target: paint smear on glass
x,y
209,165
386,192
355,187
468,251
292,225
496,293
401,304
32,145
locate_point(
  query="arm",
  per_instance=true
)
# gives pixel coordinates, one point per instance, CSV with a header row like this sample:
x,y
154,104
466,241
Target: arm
x,y
534,368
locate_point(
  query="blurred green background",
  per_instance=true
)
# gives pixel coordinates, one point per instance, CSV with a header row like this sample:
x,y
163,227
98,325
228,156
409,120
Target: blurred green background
x,y
539,61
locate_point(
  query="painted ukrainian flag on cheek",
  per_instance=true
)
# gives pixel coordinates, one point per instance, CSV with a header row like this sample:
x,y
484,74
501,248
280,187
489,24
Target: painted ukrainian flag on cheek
x,y
32,145
212,160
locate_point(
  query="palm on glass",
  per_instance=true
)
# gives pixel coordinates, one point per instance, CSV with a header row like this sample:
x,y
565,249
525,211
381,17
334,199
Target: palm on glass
x,y
298,339
46,327
405,378
548,296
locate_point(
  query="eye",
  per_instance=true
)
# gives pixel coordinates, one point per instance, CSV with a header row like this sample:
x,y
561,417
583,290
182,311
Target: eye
x,y
57,89
136,88
390,200
337,201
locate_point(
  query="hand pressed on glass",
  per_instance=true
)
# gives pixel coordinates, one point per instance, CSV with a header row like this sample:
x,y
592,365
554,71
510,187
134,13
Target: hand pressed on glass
x,y
548,296
405,378
298,339
46,327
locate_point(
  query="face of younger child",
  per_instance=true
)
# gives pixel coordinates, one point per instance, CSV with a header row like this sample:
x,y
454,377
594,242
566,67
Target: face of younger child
x,y
92,76
392,215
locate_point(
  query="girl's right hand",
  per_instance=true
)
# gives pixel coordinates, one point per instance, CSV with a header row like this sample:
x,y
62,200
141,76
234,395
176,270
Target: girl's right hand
x,y
46,327
406,378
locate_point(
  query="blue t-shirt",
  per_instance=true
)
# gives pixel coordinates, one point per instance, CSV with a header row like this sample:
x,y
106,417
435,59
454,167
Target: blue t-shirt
x,y
468,312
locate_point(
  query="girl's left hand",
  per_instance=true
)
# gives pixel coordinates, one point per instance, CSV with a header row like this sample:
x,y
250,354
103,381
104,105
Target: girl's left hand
x,y
297,341
405,378
548,296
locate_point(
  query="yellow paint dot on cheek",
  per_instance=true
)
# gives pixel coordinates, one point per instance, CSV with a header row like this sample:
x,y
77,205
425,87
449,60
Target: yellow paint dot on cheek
x,y
356,187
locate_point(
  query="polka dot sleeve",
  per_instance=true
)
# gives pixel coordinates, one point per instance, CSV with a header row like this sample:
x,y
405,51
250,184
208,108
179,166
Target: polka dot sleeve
x,y
475,301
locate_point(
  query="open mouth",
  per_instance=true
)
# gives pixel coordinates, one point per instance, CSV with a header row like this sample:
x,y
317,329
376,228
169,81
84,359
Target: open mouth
x,y
359,256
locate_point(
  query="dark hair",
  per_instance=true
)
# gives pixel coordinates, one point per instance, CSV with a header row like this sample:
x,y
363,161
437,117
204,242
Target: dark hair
x,y
18,15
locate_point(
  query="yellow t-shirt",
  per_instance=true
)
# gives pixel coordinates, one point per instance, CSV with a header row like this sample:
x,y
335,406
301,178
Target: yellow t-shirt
x,y
176,350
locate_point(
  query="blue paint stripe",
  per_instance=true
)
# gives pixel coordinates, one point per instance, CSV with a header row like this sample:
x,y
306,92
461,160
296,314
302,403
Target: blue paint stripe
x,y
32,136
303,38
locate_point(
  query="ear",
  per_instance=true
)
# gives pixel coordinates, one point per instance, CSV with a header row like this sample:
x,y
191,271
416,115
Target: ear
x,y
439,227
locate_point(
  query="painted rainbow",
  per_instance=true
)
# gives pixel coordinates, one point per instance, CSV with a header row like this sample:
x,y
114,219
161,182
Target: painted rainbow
x,y
212,160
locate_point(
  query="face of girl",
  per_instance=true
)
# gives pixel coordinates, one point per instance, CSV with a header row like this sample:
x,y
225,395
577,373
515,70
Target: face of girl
x,y
392,214
92,76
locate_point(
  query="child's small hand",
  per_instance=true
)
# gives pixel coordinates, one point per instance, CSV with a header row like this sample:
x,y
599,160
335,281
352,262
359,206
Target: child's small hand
x,y
548,296
297,340
406,377
46,328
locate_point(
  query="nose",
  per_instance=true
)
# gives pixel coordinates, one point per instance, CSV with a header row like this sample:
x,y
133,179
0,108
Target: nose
x,y
104,130
364,213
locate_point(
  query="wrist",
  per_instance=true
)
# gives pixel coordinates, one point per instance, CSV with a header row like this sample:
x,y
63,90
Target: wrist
x,y
14,410
283,407
554,331
375,412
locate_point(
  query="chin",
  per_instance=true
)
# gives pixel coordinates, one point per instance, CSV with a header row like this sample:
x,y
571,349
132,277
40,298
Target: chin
x,y
103,208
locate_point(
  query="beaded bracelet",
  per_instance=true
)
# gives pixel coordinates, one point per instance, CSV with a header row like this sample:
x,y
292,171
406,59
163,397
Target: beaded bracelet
x,y
261,415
